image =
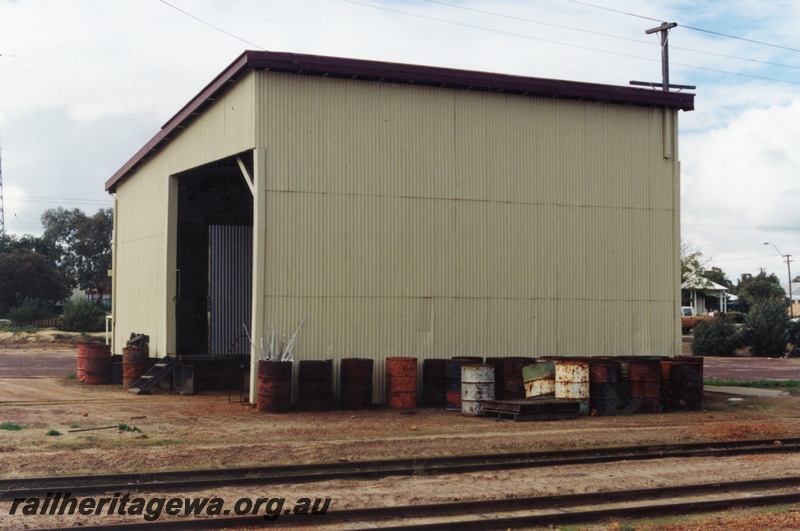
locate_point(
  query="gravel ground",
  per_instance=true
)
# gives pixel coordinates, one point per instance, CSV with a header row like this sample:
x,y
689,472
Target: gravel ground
x,y
178,432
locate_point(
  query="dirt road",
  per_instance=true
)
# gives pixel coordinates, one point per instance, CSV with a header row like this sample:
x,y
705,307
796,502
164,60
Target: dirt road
x,y
179,432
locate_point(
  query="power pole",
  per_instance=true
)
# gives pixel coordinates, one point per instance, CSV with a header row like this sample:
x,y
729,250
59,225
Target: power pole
x,y
663,29
789,260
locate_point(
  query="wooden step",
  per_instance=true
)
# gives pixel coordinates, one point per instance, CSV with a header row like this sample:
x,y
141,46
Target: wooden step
x,y
154,376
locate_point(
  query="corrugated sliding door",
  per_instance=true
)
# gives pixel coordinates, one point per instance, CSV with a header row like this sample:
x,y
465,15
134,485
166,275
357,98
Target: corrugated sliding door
x,y
230,266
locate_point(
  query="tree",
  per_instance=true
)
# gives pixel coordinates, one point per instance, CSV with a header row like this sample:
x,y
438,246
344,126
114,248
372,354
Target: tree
x,y
766,329
11,242
80,246
718,276
693,267
753,290
28,275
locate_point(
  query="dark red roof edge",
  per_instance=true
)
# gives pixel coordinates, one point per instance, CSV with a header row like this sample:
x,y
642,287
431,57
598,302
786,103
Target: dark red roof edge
x,y
359,69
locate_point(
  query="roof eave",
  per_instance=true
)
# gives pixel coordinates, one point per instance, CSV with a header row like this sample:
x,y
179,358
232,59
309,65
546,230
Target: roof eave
x,y
397,73
182,117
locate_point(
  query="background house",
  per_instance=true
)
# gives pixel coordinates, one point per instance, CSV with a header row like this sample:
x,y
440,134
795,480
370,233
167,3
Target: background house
x,y
706,296
404,211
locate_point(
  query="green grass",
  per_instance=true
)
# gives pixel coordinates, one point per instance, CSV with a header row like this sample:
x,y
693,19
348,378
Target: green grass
x,y
125,427
53,433
10,426
26,329
792,386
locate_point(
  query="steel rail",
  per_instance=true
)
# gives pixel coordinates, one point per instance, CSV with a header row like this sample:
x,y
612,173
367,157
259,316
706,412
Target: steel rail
x,y
556,504
198,479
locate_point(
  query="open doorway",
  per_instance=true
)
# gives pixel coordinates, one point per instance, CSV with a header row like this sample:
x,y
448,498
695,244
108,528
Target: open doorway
x,y
213,259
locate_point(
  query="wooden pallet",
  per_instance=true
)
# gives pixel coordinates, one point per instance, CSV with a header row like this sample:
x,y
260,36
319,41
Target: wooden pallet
x,y
531,409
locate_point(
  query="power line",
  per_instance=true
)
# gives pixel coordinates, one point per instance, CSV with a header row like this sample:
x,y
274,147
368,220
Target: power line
x,y
198,19
561,43
736,37
549,24
528,37
615,10
611,36
501,32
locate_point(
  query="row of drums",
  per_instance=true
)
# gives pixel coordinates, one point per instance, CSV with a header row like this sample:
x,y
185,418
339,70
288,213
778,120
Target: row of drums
x,y
94,364
603,386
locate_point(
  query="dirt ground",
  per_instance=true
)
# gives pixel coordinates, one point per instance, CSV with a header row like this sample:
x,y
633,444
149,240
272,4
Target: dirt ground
x,y
214,430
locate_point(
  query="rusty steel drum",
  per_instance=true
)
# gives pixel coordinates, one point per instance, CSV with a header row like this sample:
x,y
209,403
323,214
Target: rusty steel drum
x,y
135,362
401,383
667,401
471,359
274,386
355,383
644,385
434,383
513,384
605,380
572,382
315,385
682,384
539,379
80,373
498,374
452,370
477,385
96,363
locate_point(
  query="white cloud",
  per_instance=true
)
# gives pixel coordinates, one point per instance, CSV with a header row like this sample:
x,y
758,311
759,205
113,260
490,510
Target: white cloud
x,y
740,178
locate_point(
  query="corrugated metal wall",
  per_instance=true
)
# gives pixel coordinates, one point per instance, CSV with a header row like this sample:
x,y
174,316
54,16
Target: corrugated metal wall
x,y
230,282
145,237
415,221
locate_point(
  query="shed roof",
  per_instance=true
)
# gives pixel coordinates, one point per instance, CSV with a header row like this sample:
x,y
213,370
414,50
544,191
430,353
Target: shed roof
x,y
359,69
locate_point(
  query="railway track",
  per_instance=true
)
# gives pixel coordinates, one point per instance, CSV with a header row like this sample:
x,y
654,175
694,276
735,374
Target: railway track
x,y
211,478
517,513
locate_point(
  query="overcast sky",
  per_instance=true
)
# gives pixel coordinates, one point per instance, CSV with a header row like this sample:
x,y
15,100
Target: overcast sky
x,y
85,83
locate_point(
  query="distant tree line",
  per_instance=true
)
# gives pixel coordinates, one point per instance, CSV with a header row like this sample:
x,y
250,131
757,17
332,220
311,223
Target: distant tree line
x,y
37,273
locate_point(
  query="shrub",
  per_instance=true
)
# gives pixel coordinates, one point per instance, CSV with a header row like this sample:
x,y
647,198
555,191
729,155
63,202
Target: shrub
x,y
765,329
30,310
716,337
24,329
736,317
793,337
81,315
